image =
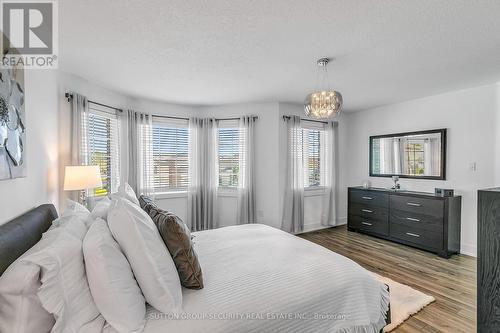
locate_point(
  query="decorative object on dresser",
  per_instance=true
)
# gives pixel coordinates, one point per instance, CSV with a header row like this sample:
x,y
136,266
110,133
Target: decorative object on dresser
x,y
443,192
418,219
488,252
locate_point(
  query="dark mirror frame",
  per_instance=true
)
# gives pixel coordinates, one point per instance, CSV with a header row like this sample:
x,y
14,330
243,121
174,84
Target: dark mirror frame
x,y
442,176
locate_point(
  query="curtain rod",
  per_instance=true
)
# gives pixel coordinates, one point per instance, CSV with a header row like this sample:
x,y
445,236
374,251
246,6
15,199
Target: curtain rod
x,y
305,119
184,118
70,96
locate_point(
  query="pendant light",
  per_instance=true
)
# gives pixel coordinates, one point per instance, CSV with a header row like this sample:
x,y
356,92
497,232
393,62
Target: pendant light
x,y
324,103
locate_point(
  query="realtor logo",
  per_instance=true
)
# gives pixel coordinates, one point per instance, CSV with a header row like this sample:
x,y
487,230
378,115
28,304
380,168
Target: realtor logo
x,y
30,33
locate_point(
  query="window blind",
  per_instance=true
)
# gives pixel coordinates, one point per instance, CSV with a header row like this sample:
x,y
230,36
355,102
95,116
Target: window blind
x,y
170,156
313,152
313,141
230,144
101,128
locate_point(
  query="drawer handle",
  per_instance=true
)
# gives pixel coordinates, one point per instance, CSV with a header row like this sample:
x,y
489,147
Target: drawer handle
x,y
366,223
367,211
367,198
413,235
414,204
412,219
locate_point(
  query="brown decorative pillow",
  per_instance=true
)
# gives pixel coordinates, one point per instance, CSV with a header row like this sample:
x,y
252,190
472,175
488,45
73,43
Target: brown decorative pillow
x,y
177,238
146,203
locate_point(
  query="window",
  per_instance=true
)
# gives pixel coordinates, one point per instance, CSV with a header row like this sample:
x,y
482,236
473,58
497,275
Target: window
x,y
170,155
229,153
414,157
313,155
101,146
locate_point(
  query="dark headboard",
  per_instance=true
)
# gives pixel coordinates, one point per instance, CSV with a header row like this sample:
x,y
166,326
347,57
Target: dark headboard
x,y
18,235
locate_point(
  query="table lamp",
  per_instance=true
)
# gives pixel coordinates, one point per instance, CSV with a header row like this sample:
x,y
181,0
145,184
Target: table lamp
x,y
82,178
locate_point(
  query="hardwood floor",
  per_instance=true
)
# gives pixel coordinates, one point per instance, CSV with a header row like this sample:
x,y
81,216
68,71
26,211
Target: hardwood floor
x,y
452,281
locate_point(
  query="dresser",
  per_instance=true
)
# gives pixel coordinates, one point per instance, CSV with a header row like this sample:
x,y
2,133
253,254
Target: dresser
x,y
488,261
418,219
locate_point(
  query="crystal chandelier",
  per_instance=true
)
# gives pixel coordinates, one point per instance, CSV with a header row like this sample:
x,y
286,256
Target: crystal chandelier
x,y
324,103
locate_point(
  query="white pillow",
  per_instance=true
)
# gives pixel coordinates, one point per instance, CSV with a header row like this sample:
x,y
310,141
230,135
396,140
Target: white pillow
x,y
149,258
111,281
64,291
101,209
72,209
125,191
20,308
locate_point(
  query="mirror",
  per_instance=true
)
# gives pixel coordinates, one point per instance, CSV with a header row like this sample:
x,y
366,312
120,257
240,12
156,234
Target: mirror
x,y
419,155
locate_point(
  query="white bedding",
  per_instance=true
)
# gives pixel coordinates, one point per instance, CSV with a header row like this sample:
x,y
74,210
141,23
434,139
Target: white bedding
x,y
276,282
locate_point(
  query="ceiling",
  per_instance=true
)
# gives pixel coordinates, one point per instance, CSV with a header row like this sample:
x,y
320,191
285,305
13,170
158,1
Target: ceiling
x,y
234,51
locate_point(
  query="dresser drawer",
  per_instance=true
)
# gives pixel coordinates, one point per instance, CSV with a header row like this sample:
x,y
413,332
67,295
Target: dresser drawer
x,y
415,220
369,198
369,225
369,211
429,239
431,207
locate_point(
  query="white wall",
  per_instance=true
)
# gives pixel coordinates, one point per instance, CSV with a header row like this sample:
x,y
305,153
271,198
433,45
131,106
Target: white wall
x,y
41,184
470,117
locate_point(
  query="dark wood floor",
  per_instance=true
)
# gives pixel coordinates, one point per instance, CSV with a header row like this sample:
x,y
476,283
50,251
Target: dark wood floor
x,y
452,281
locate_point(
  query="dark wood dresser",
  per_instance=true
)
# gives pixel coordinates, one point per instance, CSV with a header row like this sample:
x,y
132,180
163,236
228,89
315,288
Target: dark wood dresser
x,y
488,261
418,219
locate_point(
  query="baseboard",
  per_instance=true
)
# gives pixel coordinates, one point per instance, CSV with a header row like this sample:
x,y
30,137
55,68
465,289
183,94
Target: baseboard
x,y
342,221
313,227
318,226
468,249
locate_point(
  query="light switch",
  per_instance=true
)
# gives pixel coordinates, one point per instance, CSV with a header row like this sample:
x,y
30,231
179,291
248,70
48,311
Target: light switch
x,y
473,167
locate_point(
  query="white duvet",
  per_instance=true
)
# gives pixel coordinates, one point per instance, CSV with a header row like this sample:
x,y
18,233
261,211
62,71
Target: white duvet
x,y
260,279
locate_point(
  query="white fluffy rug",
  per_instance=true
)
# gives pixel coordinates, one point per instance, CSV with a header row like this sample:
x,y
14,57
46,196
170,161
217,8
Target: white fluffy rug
x,y
405,301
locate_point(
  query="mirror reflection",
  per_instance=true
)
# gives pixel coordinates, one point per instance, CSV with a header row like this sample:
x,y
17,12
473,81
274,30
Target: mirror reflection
x,y
415,155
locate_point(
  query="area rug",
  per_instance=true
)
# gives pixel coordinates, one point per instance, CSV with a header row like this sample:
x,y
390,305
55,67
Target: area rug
x,y
405,301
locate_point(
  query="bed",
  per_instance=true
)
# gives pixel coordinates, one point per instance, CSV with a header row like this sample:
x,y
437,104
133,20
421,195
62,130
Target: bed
x,y
257,279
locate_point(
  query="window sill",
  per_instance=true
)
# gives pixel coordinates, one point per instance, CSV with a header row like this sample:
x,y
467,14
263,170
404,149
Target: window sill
x,y
227,192
314,191
171,195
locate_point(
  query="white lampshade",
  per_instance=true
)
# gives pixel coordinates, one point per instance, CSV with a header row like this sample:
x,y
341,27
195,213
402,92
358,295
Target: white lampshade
x,y
82,177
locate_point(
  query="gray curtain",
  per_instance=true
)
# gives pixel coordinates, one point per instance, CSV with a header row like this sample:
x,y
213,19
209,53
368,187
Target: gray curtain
x,y
329,213
293,211
387,153
432,156
203,174
79,113
399,155
140,152
246,181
